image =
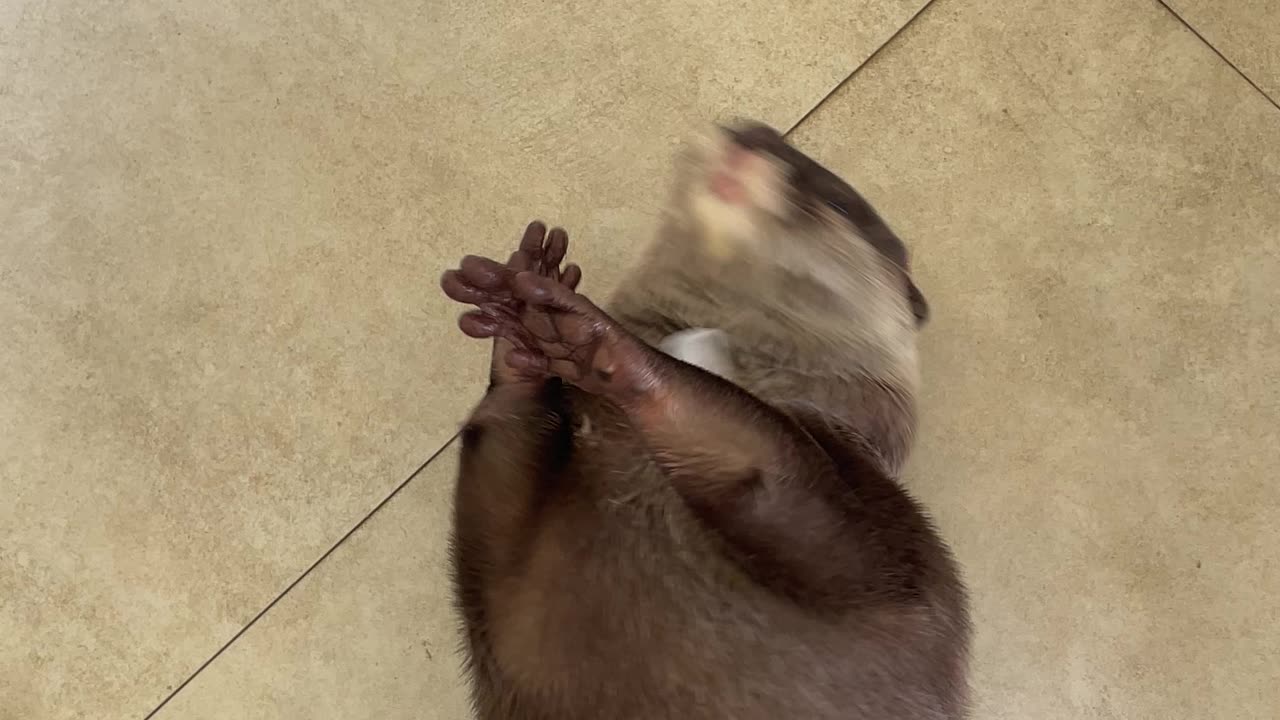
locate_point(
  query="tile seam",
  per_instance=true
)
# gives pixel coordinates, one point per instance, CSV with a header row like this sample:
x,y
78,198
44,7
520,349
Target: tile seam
x,y
845,81
1221,55
303,576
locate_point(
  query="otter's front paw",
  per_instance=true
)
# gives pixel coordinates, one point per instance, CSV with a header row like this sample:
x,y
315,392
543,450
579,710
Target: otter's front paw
x,y
563,334
486,284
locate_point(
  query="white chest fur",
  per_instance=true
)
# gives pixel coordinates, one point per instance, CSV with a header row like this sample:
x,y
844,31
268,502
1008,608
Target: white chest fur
x,y
707,348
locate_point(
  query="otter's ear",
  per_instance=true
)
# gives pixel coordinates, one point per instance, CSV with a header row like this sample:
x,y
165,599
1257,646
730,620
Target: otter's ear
x,y
919,306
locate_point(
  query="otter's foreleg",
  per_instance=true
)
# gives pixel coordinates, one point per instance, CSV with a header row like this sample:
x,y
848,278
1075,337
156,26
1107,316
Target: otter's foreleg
x,y
748,470
516,436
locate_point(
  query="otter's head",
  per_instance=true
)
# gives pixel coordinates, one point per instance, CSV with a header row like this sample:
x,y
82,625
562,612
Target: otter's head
x,y
743,189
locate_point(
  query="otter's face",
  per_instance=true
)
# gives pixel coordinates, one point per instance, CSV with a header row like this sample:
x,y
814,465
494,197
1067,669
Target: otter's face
x,y
745,189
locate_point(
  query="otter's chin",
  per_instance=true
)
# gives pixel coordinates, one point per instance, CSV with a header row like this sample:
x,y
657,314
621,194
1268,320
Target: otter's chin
x,y
726,229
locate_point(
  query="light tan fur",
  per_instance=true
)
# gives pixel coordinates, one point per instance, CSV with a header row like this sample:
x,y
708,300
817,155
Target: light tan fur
x,y
814,313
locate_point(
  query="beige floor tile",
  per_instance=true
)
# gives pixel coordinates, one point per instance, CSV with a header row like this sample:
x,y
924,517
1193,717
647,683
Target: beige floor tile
x,y
1100,423
367,635
222,225
1247,32
1092,197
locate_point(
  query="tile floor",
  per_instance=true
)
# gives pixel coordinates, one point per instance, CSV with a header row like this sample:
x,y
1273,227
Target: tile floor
x,y
222,347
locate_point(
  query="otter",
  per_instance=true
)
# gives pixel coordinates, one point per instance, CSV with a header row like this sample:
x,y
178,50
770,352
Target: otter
x,y
636,536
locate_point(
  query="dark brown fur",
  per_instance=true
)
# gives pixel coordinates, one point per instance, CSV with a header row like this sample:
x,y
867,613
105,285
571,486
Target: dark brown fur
x,y
636,538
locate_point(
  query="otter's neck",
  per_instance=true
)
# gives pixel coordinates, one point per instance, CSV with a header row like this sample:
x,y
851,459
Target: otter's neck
x,y
827,316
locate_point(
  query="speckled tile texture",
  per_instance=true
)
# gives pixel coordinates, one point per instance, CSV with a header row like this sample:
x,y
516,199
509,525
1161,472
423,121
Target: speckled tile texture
x,y
1247,32
1093,201
366,635
221,226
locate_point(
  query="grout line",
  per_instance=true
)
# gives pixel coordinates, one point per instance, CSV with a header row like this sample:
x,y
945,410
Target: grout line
x,y
1218,52
396,491
910,21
